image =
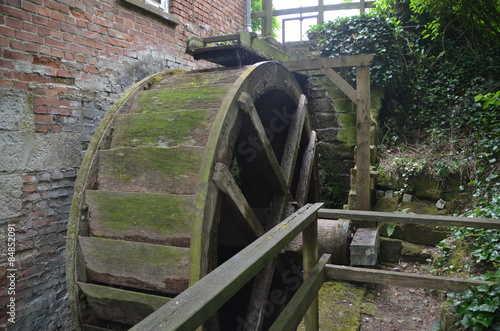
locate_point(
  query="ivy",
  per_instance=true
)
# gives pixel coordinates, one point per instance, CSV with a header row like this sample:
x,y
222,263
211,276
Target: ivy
x,y
479,307
363,34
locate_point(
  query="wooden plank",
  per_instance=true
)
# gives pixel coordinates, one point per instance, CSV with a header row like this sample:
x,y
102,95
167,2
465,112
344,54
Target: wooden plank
x,y
150,169
293,140
340,82
200,301
312,9
216,39
306,170
276,179
244,217
401,278
329,62
138,265
309,260
143,217
355,215
113,304
291,316
363,138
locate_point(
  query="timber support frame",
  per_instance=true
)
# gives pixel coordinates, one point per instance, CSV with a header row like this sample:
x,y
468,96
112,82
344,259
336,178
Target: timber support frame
x,y
361,98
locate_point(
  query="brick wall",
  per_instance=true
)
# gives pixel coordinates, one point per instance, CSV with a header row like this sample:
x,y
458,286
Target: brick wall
x,y
62,65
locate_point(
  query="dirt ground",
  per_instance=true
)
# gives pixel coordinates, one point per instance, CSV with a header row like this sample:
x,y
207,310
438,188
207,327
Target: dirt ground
x,y
401,308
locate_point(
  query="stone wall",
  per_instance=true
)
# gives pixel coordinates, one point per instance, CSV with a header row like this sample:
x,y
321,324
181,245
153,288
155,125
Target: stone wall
x,y
63,64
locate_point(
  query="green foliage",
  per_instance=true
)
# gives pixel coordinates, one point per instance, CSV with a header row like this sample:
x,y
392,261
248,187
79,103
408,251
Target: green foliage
x,y
363,34
479,307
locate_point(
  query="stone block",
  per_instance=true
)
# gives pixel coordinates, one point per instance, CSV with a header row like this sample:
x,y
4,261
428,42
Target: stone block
x,y
407,197
390,250
441,204
424,234
427,188
34,152
387,204
420,208
16,110
365,247
10,195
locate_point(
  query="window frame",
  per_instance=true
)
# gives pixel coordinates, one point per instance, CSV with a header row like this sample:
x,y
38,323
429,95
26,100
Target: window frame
x,y
156,9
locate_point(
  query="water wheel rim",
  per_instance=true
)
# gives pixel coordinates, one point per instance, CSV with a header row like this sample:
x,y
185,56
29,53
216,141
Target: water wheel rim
x,y
215,153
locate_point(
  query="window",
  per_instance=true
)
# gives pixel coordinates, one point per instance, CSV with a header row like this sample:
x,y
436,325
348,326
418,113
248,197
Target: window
x,y
157,7
162,4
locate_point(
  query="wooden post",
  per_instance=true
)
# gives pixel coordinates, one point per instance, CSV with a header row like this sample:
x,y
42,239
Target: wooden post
x,y
362,6
267,21
309,260
363,138
321,12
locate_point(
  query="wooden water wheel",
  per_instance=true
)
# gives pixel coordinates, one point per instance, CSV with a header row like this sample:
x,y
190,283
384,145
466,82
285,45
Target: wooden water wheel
x,y
183,172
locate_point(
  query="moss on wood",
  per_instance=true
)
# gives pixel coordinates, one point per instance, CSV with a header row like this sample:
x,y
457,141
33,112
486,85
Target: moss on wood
x,y
139,265
119,305
150,169
157,101
166,129
141,217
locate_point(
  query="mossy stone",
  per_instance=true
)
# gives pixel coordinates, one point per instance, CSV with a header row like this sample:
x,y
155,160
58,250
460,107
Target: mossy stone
x,y
387,204
425,234
339,306
427,188
420,208
390,250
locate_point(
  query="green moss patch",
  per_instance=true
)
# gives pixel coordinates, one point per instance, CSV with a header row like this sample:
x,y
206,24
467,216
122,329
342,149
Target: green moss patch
x,y
166,129
340,306
150,169
139,216
157,101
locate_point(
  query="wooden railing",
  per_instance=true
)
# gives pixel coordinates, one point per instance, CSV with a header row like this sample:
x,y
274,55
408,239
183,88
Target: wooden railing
x,y
190,309
194,306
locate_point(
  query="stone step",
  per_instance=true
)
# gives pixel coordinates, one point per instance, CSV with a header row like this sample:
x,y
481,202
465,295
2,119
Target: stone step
x,y
147,267
122,306
150,169
141,217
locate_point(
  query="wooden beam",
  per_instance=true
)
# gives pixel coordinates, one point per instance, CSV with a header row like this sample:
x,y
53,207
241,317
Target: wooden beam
x,y
245,102
293,140
306,170
244,217
401,278
363,138
291,316
340,82
329,62
312,9
200,301
267,22
356,215
309,260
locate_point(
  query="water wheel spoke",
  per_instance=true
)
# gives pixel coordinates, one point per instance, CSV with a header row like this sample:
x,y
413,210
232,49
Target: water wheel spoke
x,y
306,170
243,215
276,179
293,140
